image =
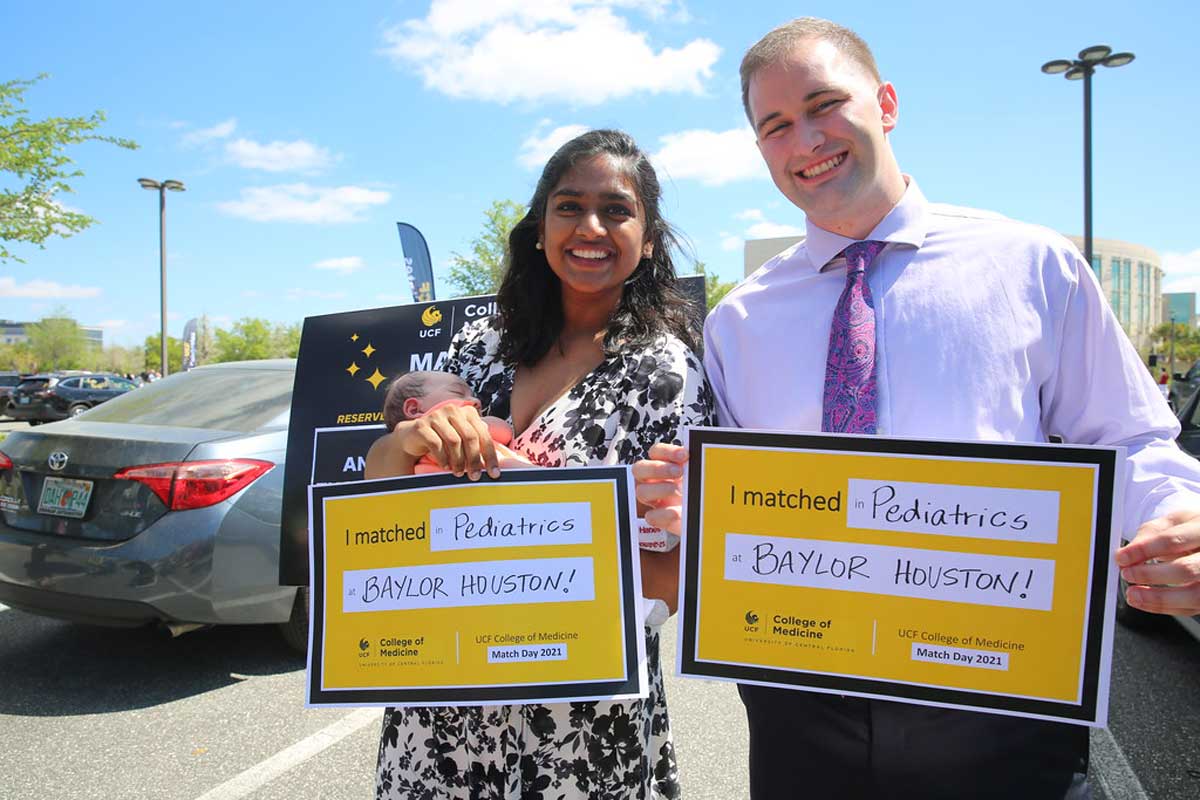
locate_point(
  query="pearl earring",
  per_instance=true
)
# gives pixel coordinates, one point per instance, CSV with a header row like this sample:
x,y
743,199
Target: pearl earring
x,y
538,245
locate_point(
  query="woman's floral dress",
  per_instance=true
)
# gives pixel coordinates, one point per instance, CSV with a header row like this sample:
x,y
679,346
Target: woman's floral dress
x,y
594,750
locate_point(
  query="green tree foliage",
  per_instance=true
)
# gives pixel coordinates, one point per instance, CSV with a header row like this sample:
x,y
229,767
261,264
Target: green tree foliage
x,y
122,360
35,169
152,353
714,287
57,342
253,338
1187,344
17,357
480,273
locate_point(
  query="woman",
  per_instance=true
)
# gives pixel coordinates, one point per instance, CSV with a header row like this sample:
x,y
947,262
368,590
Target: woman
x,y
590,359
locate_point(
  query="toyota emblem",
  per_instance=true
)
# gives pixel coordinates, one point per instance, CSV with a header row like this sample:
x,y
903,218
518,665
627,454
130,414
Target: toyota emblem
x,y
57,460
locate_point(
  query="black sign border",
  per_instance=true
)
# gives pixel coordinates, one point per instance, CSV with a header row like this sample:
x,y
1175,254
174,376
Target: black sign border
x,y
1103,459
317,696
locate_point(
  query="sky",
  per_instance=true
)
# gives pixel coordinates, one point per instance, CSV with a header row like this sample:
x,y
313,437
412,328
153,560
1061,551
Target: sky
x,y
304,131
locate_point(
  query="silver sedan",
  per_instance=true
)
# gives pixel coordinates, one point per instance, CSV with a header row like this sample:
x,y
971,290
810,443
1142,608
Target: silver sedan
x,y
161,506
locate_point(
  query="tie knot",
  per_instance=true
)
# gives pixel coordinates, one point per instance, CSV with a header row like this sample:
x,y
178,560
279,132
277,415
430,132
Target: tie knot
x,y
860,255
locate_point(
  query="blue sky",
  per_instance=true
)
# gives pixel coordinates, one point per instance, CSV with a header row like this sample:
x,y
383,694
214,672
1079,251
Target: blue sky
x,y
305,131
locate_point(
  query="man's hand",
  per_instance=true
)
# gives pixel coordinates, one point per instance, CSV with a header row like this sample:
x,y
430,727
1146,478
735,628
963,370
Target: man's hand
x,y
658,483
1170,585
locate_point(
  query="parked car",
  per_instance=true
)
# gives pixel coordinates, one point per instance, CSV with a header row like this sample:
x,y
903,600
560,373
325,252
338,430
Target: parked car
x,y
8,380
53,396
1183,386
1189,440
161,506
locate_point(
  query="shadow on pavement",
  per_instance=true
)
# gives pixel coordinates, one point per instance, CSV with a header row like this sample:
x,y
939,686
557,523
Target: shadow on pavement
x,y
51,668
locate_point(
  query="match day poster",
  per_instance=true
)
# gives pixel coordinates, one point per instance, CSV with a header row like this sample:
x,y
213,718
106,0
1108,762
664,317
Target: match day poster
x,y
436,590
965,575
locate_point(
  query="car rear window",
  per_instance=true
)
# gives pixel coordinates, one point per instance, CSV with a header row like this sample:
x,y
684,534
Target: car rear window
x,y
223,399
9,380
33,384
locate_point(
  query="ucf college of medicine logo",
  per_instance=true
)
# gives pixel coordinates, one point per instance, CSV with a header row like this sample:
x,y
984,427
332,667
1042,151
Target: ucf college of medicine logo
x,y
751,622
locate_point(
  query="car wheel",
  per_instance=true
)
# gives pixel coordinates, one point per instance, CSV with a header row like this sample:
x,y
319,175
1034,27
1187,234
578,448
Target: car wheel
x,y
77,409
1132,617
295,630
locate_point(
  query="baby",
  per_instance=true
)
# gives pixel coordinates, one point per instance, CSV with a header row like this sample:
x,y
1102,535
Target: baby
x,y
415,394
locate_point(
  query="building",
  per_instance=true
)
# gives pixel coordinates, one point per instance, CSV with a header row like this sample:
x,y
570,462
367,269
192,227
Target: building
x,y
15,333
1180,307
1130,274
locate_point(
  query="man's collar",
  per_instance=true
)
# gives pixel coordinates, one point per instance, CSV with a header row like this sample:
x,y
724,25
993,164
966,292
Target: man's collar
x,y
906,224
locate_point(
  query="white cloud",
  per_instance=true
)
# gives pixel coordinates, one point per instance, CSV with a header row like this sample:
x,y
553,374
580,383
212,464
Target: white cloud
x,y
46,290
754,214
300,202
297,156
309,294
222,130
712,157
536,150
342,266
112,324
729,242
504,51
1181,272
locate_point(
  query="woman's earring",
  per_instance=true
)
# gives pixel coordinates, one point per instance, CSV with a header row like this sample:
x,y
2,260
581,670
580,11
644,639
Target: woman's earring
x,y
539,244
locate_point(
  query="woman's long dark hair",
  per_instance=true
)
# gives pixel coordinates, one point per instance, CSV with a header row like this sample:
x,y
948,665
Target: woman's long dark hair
x,y
530,296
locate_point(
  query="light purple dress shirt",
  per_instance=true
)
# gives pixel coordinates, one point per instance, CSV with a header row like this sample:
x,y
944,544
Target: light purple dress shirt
x,y
987,329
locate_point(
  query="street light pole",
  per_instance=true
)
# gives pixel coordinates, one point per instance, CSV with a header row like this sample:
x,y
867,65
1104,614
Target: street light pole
x,y
161,188
1082,69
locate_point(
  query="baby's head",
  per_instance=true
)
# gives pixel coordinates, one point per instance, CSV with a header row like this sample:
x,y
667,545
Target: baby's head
x,y
412,394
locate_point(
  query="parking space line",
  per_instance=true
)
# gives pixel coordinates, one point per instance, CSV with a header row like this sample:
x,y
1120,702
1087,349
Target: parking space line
x,y
3,607
266,771
1117,779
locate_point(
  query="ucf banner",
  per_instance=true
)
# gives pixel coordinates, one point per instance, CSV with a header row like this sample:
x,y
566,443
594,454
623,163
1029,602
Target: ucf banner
x,y
966,575
342,369
434,590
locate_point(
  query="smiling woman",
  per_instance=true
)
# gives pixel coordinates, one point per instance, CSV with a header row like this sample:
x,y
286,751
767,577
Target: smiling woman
x,y
590,359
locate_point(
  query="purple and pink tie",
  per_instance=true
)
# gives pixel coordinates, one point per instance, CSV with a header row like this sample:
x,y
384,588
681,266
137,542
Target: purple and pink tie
x,y
850,384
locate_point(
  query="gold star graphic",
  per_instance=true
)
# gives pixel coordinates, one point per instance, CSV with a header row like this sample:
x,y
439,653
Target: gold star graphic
x,y
375,379
354,338
353,368
368,350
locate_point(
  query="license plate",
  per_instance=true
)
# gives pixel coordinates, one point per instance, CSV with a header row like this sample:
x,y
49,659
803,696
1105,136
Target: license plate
x,y
65,497
22,400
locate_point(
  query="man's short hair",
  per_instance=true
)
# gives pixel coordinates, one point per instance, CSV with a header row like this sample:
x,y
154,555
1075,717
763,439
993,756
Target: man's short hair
x,y
779,44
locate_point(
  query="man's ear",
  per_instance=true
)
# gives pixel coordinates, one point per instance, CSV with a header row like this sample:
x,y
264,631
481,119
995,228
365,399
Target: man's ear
x,y
889,107
412,407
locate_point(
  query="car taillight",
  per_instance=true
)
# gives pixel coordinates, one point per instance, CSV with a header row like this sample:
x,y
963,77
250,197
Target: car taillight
x,y
5,462
196,484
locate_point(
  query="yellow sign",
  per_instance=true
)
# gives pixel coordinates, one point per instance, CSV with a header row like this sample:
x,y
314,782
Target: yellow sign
x,y
435,590
944,573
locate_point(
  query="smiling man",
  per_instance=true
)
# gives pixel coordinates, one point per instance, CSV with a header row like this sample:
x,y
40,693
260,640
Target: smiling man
x,y
896,316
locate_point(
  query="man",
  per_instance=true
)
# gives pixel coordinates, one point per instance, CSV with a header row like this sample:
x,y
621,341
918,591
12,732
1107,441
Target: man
x,y
874,338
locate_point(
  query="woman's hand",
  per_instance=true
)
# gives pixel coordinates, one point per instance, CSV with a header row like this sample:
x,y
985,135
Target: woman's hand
x,y
658,484
453,435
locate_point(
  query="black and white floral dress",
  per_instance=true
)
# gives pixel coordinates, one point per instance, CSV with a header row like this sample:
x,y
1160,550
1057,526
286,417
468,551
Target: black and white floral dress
x,y
594,750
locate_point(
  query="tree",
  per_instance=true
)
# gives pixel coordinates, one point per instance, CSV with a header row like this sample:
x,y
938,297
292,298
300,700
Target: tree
x,y
1187,344
32,155
714,287
152,353
57,342
482,272
17,357
253,338
123,360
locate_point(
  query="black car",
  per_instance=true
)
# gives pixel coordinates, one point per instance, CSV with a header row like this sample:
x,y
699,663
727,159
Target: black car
x,y
1183,386
53,396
